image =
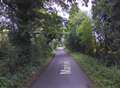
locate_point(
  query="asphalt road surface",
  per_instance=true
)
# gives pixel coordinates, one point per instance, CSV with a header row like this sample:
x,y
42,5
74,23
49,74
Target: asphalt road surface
x,y
63,72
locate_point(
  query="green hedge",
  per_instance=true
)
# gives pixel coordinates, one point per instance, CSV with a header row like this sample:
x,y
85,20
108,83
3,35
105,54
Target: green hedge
x,y
102,76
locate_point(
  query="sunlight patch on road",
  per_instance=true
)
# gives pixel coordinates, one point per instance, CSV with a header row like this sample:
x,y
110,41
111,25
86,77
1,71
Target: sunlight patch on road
x,y
60,48
66,68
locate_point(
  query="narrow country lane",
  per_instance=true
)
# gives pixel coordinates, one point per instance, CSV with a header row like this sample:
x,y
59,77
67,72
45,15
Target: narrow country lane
x,y
63,72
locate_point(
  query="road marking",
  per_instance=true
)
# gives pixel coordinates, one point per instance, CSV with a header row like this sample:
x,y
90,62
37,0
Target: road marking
x,y
66,68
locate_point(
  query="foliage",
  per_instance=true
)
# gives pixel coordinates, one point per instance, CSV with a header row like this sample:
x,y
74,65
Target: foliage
x,y
80,37
85,34
29,33
101,76
99,37
26,41
106,29
104,42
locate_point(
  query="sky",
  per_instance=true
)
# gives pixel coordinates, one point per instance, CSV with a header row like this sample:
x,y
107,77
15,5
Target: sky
x,y
64,14
88,9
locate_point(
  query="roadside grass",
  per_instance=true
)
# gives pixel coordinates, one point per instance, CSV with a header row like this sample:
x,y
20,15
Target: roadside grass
x,y
100,75
25,75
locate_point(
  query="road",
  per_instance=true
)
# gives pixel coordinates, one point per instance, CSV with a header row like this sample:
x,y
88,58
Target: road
x,y
63,72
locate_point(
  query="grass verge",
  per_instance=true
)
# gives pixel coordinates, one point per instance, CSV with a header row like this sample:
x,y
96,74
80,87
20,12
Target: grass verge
x,y
23,77
102,76
37,72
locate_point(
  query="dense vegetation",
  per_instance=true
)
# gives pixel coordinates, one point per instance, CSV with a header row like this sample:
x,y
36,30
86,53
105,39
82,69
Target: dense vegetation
x,y
106,27
98,36
100,75
28,35
31,29
80,37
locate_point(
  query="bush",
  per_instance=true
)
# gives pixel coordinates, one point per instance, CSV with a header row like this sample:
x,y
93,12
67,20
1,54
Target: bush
x,y
102,76
17,63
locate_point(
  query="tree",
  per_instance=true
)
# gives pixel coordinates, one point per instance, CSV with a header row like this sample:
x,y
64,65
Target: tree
x,y
106,20
85,33
80,37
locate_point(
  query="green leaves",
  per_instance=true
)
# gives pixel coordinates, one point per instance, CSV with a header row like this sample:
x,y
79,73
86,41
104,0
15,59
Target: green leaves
x,y
102,76
80,28
4,82
106,23
85,30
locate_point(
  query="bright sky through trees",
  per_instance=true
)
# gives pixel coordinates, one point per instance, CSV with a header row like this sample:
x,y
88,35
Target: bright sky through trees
x,y
83,8
87,10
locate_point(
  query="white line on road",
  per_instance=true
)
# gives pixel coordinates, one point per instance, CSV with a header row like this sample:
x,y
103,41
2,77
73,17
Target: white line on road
x,y
66,68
